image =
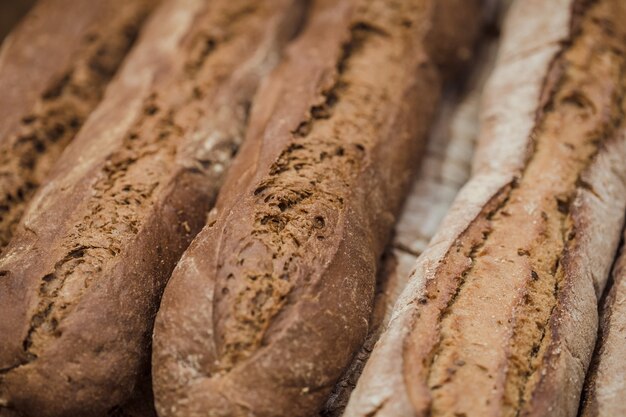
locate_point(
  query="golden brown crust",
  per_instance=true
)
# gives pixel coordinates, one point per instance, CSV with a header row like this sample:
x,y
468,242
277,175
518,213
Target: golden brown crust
x,y
270,302
499,318
54,69
79,293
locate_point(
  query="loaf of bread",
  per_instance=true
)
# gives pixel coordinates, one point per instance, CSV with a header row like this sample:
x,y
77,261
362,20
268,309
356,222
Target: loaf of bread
x,y
273,298
54,69
605,388
82,277
443,171
499,317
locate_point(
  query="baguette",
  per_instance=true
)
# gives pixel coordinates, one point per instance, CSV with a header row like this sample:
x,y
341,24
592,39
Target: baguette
x,y
268,305
443,171
54,69
499,318
82,277
605,388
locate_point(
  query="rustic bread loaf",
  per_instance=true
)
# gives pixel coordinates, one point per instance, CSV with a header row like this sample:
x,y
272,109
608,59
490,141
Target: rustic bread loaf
x,y
273,298
443,171
499,318
605,388
81,280
54,69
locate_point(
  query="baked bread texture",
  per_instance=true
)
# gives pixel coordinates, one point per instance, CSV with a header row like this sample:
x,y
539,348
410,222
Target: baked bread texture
x,y
82,277
445,168
54,69
273,298
500,316
605,388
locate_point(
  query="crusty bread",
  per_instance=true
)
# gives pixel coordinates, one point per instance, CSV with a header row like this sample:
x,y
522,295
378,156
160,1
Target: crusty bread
x,y
605,387
54,68
443,171
82,277
499,318
273,298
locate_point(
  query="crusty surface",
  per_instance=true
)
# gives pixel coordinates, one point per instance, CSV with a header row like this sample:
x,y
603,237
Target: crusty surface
x,y
83,275
499,317
605,387
54,69
443,171
273,298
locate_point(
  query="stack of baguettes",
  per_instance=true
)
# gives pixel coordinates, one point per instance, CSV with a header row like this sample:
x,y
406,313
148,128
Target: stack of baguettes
x,y
198,201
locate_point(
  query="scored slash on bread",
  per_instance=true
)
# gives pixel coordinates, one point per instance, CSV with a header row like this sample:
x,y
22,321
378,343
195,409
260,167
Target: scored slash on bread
x,y
499,318
272,299
83,274
54,69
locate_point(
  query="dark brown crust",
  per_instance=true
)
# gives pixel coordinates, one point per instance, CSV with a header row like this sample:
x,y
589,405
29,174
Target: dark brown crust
x,y
54,69
272,299
79,293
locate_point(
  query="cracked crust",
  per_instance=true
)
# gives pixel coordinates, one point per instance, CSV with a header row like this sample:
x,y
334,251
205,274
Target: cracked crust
x,y
78,294
498,319
272,299
46,101
605,385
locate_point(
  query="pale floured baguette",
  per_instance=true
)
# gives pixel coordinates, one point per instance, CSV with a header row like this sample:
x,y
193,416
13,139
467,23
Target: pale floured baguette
x,y
499,318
